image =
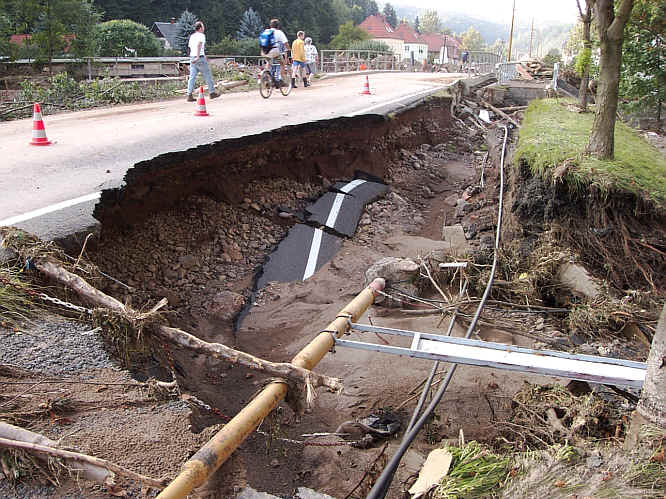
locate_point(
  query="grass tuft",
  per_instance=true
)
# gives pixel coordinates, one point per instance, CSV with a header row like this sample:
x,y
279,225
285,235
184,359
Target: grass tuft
x,y
552,135
474,472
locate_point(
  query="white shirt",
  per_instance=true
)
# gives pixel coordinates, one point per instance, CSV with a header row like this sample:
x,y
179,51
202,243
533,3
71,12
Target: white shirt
x,y
279,37
310,53
195,38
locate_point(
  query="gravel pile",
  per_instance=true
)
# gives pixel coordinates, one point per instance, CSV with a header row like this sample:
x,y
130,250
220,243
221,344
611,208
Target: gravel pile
x,y
54,346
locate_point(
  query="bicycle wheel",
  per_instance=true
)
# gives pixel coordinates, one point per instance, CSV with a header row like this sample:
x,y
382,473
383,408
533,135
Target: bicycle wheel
x,y
265,84
286,88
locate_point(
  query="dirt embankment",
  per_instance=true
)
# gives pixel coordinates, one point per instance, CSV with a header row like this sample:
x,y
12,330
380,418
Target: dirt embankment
x,y
332,149
618,235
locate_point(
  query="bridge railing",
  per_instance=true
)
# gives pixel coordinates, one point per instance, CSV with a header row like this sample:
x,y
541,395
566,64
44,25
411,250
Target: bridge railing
x,y
340,61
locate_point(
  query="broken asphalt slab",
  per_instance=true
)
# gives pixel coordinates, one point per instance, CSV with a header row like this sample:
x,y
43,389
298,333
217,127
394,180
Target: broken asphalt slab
x,y
342,207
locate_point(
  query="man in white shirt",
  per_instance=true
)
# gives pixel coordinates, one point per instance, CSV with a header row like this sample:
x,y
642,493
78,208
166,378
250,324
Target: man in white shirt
x,y
198,62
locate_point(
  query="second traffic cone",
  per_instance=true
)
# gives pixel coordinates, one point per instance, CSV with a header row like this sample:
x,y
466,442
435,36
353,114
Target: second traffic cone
x,y
201,104
366,87
38,130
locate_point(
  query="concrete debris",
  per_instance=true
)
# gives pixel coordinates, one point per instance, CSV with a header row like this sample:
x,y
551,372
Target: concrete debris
x,y
578,280
399,273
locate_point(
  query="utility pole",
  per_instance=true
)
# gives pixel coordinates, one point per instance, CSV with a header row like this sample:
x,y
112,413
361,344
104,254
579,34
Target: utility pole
x,y
531,36
513,15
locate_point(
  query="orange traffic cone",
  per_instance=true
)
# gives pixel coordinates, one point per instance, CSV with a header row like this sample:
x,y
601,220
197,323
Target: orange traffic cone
x,y
38,131
366,87
201,104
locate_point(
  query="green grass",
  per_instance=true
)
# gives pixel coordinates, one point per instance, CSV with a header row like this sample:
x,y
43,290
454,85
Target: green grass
x,y
551,134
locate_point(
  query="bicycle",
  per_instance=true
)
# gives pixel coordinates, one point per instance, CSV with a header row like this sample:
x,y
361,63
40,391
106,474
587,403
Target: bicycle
x,y
267,80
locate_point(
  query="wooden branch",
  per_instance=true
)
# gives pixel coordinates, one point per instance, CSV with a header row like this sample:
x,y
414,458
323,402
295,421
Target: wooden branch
x,y
223,352
83,458
80,286
512,108
93,295
501,113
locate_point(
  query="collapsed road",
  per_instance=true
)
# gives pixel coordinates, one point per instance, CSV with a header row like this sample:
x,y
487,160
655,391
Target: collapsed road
x,y
51,191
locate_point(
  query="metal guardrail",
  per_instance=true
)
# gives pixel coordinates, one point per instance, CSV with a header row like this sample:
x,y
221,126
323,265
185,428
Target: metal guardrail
x,y
481,62
506,71
338,61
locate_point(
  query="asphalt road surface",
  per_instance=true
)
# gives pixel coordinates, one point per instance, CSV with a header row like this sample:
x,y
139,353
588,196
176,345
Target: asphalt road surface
x,y
307,248
51,190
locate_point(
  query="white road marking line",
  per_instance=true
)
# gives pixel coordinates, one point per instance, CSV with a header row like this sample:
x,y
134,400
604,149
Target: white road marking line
x,y
313,256
368,109
49,209
310,267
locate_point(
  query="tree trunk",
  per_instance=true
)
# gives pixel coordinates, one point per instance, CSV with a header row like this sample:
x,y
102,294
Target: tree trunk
x,y
611,35
587,44
652,405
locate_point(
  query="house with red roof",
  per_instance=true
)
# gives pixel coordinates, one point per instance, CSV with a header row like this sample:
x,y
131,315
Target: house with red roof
x,y
381,31
436,41
406,43
414,46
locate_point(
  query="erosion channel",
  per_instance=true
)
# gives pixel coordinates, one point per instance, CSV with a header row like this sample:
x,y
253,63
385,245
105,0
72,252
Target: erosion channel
x,y
202,228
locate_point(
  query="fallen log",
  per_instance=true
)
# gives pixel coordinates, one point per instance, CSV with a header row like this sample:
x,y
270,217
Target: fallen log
x,y
83,458
501,113
219,351
92,295
512,108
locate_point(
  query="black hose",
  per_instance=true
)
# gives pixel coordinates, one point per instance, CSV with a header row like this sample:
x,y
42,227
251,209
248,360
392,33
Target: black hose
x,y
383,483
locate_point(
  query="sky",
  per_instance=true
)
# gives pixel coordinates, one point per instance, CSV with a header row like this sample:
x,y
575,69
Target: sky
x,y
500,10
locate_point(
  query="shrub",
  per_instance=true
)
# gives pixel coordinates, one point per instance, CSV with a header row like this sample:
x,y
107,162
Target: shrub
x,y
229,46
372,45
116,37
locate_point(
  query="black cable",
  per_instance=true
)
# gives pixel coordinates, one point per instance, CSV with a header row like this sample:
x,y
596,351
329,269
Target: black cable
x,y
383,483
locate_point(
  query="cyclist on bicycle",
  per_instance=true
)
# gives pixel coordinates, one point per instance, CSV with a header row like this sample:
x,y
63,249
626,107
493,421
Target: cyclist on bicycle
x,y
274,45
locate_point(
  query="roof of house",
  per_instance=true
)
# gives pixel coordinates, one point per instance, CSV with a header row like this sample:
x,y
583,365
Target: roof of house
x,y
407,33
377,27
435,41
166,30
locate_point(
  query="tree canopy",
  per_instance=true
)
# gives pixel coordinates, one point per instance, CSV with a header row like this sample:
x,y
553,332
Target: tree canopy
x,y
471,39
643,76
121,37
430,22
348,33
390,15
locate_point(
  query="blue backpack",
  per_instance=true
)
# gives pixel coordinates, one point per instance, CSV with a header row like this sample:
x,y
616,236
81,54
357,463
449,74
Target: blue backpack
x,y
267,39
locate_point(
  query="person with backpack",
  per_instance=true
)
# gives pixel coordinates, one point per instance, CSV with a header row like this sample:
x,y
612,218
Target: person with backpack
x,y
198,62
274,44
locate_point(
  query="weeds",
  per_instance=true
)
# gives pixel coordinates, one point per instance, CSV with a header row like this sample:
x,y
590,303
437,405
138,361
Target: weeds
x,y
61,91
474,472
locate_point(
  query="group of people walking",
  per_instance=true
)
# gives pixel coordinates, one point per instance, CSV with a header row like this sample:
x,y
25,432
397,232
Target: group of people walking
x,y
274,46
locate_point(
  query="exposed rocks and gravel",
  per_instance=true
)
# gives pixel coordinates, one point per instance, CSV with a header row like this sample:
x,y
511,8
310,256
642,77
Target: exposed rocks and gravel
x,y
55,346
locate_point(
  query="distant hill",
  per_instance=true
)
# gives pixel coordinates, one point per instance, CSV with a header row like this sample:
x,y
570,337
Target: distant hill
x,y
546,36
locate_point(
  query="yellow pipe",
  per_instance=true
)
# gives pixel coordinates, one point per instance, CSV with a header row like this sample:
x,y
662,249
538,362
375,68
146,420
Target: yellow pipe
x,y
210,457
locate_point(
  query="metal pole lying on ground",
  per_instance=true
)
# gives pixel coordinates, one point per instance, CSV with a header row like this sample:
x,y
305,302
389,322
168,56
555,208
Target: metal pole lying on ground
x,y
210,457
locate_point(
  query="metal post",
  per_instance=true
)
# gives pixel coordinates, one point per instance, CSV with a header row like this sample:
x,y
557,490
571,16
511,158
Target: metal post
x,y
210,457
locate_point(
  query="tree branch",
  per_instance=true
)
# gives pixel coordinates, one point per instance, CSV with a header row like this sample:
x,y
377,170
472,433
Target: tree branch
x,y
616,29
92,295
220,351
75,456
